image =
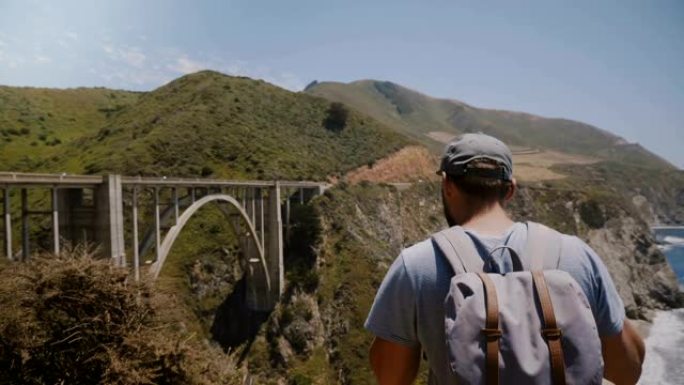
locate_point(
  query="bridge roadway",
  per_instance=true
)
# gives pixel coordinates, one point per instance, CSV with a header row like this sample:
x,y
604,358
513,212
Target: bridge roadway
x,y
91,208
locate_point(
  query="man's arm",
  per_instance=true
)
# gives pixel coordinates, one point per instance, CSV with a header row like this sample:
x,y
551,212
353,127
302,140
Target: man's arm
x,y
623,355
394,364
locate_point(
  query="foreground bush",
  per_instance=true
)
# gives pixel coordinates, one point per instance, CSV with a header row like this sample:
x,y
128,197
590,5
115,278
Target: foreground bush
x,y
72,319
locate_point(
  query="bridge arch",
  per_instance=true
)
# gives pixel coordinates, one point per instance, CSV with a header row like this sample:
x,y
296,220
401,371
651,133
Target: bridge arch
x,y
175,230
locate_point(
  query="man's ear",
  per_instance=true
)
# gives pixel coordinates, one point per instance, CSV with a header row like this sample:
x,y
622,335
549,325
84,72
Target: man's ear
x,y
447,185
511,191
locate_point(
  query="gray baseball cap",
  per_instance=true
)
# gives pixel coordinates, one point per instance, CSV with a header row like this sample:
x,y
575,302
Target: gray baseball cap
x,y
469,147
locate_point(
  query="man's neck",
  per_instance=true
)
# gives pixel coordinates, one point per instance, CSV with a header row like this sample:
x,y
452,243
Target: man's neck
x,y
494,221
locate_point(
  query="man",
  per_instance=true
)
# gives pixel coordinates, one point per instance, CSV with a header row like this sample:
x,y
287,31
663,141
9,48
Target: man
x,y
407,316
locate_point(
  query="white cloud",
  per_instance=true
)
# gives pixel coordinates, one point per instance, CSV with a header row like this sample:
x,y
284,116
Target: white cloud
x,y
128,66
40,59
128,55
185,65
133,57
286,80
12,60
71,35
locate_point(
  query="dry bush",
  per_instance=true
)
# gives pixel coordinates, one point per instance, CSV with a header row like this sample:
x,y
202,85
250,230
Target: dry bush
x,y
409,164
73,319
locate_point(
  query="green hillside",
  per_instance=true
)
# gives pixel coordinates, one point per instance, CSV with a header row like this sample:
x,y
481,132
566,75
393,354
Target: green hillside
x,y
36,123
204,124
209,124
419,115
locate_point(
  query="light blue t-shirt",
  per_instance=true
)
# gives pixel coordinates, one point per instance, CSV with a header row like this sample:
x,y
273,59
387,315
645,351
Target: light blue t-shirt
x,y
409,305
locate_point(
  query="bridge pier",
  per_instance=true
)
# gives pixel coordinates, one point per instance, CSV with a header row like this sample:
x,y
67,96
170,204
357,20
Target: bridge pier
x,y
25,240
109,220
8,223
100,221
259,296
55,221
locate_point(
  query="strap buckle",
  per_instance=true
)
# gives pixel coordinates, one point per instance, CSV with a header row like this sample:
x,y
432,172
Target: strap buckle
x,y
492,334
552,334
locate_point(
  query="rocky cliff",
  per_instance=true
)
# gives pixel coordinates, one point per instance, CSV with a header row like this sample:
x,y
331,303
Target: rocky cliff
x,y
316,335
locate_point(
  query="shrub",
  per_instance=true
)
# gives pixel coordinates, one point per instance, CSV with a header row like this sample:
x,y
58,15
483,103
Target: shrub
x,y
336,120
206,171
591,214
73,319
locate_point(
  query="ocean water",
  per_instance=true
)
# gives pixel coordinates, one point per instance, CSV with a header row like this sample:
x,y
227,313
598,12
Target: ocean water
x,y
675,255
672,240
664,363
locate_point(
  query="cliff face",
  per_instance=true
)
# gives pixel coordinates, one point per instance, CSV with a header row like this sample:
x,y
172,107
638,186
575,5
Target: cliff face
x,y
316,336
618,232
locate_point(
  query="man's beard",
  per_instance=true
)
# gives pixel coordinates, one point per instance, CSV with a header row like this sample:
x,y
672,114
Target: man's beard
x,y
450,220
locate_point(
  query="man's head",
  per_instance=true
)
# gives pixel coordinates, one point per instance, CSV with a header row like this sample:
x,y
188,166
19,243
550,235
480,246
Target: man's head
x,y
477,175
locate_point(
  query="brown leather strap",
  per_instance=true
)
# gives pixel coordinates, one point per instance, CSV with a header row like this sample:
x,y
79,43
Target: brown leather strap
x,y
550,331
491,331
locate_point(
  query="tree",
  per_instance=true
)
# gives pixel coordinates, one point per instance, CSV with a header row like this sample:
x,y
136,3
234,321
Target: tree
x,y
336,120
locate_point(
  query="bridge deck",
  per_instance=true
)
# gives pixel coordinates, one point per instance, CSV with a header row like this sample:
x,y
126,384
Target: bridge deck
x,y
68,180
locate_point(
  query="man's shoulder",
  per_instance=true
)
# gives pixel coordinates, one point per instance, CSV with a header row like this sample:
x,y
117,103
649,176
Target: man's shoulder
x,y
419,257
576,255
578,258
419,251
575,246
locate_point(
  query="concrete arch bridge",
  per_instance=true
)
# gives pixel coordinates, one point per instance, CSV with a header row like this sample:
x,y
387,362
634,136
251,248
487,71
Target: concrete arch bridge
x,y
107,210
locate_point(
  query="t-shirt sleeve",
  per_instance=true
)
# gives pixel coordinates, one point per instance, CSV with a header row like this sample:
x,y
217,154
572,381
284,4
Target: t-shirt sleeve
x,y
393,314
606,304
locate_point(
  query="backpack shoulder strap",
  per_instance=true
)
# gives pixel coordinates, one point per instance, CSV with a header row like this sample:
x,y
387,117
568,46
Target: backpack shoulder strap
x,y
543,248
459,250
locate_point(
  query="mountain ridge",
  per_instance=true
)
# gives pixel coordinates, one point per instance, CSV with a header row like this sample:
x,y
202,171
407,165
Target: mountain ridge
x,y
203,124
411,111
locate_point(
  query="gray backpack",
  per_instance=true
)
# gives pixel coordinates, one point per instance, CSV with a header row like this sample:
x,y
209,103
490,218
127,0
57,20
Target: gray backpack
x,y
530,326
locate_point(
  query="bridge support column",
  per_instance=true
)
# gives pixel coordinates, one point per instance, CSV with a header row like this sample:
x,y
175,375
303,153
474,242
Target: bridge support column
x,y
8,223
259,296
75,217
25,241
274,247
55,221
109,231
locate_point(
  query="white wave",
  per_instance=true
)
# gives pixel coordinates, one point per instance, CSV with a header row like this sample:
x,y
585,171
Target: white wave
x,y
664,363
665,248
673,240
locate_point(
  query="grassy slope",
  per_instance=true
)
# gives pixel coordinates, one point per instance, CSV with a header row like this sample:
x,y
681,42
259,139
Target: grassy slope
x,y
212,124
625,169
37,123
411,112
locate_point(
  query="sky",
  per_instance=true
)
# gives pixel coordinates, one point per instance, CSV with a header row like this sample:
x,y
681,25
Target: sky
x,y
618,65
